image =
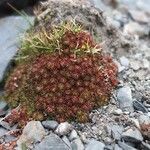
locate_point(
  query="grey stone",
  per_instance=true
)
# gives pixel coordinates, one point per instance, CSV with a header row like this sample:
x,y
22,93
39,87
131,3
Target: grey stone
x,y
77,144
64,128
144,119
135,65
10,138
139,16
10,28
66,141
95,145
124,61
132,135
124,97
3,108
108,147
139,107
5,125
117,112
124,146
33,132
107,140
51,142
145,146
3,131
116,131
50,124
146,64
73,135
143,5
134,28
117,147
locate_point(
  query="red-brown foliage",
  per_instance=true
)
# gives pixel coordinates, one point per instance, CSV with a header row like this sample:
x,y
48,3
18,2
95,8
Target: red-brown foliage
x,y
65,85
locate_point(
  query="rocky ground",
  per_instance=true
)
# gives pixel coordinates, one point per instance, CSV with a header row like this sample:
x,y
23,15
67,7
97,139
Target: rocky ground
x,y
124,124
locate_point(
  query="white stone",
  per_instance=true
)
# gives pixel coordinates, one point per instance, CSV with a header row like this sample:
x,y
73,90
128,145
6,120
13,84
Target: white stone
x,y
64,128
117,112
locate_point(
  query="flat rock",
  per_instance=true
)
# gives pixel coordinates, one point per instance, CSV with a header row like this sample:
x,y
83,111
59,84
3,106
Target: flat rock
x,y
132,135
11,28
32,132
52,142
124,97
95,145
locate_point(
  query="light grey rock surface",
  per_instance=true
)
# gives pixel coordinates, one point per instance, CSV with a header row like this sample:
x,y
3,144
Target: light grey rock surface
x,y
50,124
139,106
52,142
77,144
11,28
73,135
95,145
124,96
132,135
33,132
134,28
144,119
116,131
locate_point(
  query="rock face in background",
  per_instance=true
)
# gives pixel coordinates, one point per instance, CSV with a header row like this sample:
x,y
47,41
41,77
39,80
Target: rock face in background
x,y
11,28
54,11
